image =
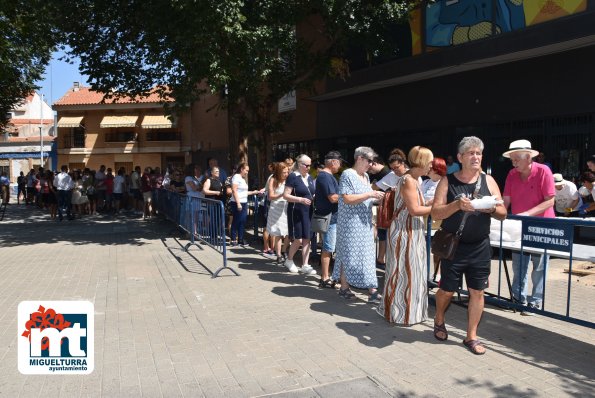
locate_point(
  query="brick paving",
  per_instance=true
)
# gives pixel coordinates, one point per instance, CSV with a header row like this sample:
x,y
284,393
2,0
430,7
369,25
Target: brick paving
x,y
165,328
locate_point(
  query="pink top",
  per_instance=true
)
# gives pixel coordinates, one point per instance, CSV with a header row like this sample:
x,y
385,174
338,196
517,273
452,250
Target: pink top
x,y
525,195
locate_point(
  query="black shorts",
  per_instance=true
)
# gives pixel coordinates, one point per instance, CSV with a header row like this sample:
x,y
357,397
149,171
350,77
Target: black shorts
x,y
472,260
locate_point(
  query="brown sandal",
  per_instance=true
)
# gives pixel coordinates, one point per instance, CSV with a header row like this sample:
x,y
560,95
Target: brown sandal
x,y
473,345
440,329
328,283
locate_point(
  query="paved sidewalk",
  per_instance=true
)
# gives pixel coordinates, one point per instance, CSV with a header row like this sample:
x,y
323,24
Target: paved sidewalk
x,y
164,328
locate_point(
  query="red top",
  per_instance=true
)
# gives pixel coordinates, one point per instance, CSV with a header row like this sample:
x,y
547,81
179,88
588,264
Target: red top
x,y
525,195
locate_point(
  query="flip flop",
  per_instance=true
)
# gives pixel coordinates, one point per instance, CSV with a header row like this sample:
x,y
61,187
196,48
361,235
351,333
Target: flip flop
x,y
472,345
440,329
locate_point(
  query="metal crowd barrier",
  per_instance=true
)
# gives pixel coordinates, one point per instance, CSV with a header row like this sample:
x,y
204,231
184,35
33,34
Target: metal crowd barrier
x,y
549,237
255,209
203,219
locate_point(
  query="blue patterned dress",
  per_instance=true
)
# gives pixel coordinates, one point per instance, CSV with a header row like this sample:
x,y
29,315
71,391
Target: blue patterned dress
x,y
355,249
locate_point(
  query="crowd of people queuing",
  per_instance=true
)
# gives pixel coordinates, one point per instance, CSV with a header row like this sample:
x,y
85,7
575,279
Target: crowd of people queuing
x,y
336,202
422,185
79,193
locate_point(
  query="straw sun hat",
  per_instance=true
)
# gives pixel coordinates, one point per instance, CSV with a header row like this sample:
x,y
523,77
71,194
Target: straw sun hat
x,y
520,146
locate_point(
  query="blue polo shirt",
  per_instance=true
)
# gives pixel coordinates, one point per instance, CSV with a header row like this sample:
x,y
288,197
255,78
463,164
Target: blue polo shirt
x,y
326,184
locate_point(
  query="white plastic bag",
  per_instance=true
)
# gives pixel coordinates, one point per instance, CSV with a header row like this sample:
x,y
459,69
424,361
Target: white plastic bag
x,y
511,230
486,202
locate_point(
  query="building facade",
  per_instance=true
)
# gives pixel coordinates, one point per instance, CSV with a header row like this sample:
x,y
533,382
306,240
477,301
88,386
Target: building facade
x,y
130,132
126,132
499,69
28,140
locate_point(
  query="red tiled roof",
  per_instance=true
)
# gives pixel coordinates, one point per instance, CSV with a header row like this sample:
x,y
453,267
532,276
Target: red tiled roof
x,y
46,138
86,96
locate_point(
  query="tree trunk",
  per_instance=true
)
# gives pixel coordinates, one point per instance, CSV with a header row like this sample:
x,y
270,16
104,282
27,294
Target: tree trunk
x,y
238,140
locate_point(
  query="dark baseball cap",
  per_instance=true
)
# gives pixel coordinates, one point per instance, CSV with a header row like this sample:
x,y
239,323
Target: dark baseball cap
x,y
334,155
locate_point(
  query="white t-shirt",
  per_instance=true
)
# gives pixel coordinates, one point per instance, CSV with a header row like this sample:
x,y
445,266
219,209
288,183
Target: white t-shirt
x,y
391,180
388,181
428,188
63,182
119,184
566,196
242,188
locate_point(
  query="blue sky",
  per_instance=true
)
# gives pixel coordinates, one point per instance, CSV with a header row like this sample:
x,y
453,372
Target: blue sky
x,y
59,77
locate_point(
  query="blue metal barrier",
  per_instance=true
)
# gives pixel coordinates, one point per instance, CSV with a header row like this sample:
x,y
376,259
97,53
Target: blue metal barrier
x,y
255,207
535,240
203,219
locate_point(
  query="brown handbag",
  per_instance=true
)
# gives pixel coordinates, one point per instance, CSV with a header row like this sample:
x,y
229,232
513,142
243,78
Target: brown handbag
x,y
444,244
386,210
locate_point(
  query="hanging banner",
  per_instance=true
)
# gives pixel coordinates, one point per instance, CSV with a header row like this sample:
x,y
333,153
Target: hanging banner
x,y
287,102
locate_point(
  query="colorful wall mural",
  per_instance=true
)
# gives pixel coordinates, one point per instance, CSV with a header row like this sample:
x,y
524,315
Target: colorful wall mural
x,y
453,22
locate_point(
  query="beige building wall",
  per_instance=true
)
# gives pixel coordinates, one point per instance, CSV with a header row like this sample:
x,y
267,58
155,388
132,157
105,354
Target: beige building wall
x,y
210,125
210,132
140,152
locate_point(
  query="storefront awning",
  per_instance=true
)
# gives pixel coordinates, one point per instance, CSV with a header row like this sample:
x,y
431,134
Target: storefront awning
x,y
118,121
156,122
70,121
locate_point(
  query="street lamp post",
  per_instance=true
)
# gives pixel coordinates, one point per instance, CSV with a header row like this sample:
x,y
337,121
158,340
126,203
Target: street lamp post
x,y
41,130
41,145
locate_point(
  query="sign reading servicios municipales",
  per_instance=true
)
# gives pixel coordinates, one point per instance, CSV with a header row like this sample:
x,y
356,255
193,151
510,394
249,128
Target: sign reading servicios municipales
x,y
547,235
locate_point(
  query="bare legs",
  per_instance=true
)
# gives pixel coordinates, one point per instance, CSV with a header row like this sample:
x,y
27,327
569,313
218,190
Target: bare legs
x,y
325,261
381,252
474,312
280,245
295,245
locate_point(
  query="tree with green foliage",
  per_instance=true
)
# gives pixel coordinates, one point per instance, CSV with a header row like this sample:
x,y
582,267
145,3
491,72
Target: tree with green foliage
x,y
251,53
26,41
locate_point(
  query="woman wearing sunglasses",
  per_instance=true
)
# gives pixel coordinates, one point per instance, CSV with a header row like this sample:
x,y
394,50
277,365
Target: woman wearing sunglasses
x,y
299,192
355,262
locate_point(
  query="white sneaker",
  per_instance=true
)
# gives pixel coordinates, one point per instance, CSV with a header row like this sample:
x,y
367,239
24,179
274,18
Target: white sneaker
x,y
308,270
291,266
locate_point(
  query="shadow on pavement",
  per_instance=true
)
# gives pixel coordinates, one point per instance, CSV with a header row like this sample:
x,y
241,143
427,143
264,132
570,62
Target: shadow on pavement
x,y
31,225
544,350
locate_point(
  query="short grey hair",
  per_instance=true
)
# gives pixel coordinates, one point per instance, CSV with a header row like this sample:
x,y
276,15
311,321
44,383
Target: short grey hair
x,y
364,151
300,159
470,142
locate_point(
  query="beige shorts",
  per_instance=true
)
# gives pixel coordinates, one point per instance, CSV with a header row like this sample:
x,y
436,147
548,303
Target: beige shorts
x,y
148,196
